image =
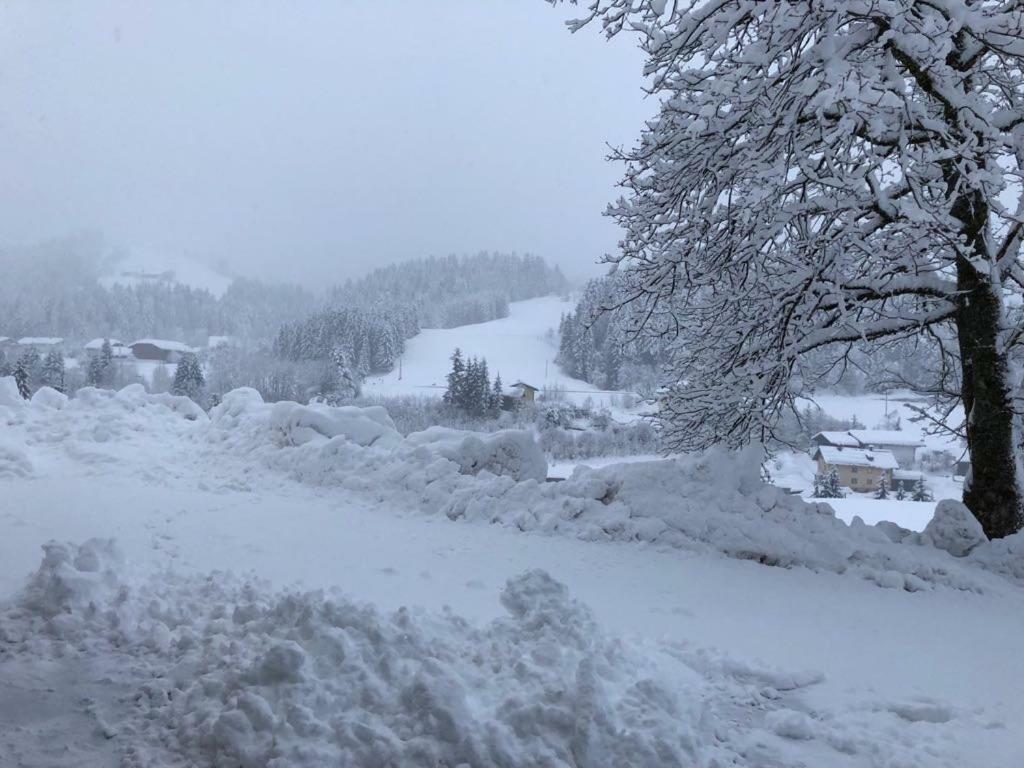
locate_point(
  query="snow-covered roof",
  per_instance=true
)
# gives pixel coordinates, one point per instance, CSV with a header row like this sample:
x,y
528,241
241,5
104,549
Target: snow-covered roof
x,y
170,346
217,341
856,457
516,384
4,338
886,437
839,438
98,343
39,341
906,474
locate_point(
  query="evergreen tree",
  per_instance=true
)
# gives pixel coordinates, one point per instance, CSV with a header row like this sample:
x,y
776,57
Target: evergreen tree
x,y
456,380
818,485
23,368
883,490
921,492
832,488
497,396
900,494
53,371
188,378
100,371
6,369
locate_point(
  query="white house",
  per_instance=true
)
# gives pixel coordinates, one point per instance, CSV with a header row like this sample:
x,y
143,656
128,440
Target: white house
x,y
43,342
902,445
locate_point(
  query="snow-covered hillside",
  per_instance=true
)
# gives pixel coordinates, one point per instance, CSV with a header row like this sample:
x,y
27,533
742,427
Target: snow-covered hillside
x,y
861,650
521,346
144,266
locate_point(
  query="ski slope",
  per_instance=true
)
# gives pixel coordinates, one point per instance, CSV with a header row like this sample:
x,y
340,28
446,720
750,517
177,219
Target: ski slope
x,y
521,346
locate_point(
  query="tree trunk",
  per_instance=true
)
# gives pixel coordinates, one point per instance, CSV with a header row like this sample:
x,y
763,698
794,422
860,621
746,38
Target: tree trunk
x,y
993,494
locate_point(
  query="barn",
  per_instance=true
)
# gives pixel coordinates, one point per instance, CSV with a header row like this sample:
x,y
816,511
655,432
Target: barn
x,y
160,350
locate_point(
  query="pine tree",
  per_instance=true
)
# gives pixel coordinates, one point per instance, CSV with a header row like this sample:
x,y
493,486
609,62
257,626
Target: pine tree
x,y
100,372
818,485
883,490
497,397
835,491
6,369
456,380
900,493
921,492
23,372
188,378
53,371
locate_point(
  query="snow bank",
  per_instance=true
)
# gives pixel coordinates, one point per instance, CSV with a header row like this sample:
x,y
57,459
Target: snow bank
x,y
231,673
47,397
511,453
716,502
713,502
9,395
295,424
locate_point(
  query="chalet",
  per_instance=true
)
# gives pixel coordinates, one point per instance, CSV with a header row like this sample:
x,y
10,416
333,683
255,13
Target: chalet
x,y
859,469
117,348
899,444
159,349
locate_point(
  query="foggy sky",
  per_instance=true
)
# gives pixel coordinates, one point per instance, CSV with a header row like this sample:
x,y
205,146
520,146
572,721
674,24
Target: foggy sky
x,y
313,140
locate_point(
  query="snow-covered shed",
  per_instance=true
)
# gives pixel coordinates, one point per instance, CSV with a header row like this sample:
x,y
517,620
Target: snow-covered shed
x,y
520,390
159,349
859,469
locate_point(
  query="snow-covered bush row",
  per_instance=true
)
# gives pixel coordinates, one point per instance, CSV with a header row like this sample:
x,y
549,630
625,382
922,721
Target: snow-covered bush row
x,y
229,672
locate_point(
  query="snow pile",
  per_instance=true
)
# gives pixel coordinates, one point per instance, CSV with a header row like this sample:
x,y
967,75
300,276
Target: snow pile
x,y
954,529
713,502
47,397
511,453
14,461
73,584
233,674
9,395
294,424
359,448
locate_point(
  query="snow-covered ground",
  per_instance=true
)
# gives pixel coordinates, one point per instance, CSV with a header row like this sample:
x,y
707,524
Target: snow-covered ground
x,y
447,644
521,346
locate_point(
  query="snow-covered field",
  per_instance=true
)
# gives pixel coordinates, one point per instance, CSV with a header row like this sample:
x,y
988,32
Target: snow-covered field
x,y
521,346
620,617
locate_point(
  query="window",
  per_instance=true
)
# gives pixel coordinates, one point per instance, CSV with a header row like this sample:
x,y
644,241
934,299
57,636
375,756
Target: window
x,y
854,469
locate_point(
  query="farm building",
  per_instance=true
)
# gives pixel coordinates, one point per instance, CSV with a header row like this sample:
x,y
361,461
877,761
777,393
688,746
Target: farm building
x,y
117,348
899,444
859,469
40,342
905,480
159,349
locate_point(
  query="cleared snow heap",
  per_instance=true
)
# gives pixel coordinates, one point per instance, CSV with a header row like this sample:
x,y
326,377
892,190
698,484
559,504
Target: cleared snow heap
x,y
234,674
715,502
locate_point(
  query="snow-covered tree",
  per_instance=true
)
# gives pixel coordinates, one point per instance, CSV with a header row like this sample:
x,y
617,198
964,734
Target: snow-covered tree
x,y
456,380
900,493
24,369
921,492
52,374
100,371
883,489
822,174
188,377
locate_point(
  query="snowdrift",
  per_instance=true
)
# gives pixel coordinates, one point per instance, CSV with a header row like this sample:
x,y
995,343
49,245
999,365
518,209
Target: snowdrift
x,y
715,503
229,672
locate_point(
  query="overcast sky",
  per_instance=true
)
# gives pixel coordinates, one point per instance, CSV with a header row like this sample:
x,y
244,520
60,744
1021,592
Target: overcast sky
x,y
313,140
